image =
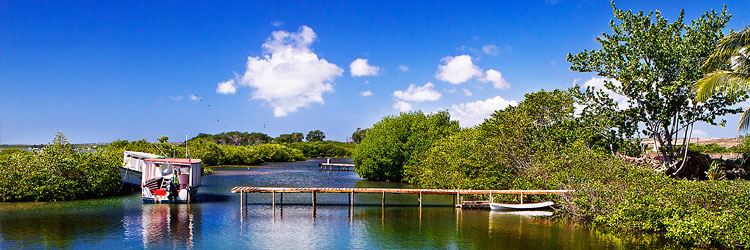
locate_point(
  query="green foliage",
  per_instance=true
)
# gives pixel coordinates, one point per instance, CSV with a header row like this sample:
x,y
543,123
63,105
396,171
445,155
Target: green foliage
x,y
289,138
395,144
12,151
709,148
656,63
359,135
56,173
316,135
323,148
163,139
235,138
540,144
210,153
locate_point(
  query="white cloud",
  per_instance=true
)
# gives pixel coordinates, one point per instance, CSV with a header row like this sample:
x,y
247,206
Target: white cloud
x,y
277,23
496,78
176,98
289,75
418,94
473,113
452,90
194,97
366,93
598,84
402,106
359,67
467,92
457,69
697,133
226,87
403,68
490,49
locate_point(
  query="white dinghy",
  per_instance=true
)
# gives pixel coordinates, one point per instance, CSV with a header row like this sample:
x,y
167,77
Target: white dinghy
x,y
527,206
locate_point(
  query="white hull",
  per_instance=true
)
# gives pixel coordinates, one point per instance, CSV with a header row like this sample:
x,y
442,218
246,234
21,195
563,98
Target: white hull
x,y
500,206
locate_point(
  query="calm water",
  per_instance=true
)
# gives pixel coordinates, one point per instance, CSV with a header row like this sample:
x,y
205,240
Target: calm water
x,y
218,221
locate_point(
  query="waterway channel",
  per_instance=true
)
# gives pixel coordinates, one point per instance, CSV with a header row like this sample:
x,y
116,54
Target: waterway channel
x,y
218,221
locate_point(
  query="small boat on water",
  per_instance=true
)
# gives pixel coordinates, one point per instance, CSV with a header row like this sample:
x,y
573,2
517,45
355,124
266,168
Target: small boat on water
x,y
132,167
170,179
527,206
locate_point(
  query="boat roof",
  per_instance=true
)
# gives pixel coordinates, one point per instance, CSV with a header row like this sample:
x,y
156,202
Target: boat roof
x,y
173,160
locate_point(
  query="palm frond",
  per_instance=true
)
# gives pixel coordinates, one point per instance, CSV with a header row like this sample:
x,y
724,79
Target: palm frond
x,y
729,46
744,121
727,82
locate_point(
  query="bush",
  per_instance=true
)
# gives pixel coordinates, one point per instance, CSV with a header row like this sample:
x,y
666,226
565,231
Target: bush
x,y
539,144
323,148
56,173
394,144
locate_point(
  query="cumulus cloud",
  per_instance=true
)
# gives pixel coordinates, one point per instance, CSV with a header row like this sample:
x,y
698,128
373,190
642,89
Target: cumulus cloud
x,y
402,106
360,67
175,98
496,78
289,75
277,23
472,113
403,68
490,49
366,93
467,92
414,93
697,133
457,69
226,87
418,94
194,97
598,84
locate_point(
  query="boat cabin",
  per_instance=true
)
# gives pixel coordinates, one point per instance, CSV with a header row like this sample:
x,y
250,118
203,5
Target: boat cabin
x,y
170,179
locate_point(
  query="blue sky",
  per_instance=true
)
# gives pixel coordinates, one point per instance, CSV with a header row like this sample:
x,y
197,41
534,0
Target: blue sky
x,y
100,71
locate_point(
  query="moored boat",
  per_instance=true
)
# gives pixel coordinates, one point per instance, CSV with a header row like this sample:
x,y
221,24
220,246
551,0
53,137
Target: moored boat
x,y
132,167
527,206
170,179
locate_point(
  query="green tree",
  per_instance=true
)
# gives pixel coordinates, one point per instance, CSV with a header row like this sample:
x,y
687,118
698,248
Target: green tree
x,y
728,71
655,64
289,138
359,135
163,139
316,135
394,144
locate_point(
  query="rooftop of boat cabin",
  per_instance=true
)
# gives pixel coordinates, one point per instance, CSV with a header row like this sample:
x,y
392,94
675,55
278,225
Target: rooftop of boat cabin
x,y
173,160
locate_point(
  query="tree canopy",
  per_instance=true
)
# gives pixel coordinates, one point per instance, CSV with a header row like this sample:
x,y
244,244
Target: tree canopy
x,y
316,135
359,135
654,63
395,143
289,138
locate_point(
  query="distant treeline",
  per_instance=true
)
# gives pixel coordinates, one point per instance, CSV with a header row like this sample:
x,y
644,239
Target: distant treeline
x,y
236,138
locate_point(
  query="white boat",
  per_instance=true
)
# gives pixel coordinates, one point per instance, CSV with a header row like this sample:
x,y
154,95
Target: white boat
x,y
527,206
132,167
170,179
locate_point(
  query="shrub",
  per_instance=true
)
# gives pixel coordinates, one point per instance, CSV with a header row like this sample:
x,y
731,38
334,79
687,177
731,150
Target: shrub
x,y
394,144
57,172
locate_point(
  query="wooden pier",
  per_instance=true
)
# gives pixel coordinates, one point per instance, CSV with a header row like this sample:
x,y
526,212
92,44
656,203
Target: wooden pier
x,y
458,193
329,166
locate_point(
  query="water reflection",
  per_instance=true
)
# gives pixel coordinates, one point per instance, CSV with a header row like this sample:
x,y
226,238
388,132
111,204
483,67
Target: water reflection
x,y
170,225
219,221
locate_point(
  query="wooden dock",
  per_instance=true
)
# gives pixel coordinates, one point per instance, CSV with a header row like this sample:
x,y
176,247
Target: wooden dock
x,y
336,167
458,193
